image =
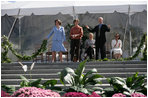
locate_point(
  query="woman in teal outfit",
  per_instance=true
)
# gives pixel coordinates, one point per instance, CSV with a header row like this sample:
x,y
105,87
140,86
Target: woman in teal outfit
x,y
58,38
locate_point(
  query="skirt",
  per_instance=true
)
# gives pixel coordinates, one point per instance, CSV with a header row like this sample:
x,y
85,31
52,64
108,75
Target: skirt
x,y
117,51
57,46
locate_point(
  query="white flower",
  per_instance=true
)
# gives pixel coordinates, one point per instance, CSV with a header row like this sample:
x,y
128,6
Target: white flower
x,y
32,66
25,68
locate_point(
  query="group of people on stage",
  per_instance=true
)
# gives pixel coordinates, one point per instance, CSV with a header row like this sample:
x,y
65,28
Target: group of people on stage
x,y
76,34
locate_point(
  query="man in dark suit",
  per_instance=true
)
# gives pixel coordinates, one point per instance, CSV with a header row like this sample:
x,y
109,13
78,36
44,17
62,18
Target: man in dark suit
x,y
100,37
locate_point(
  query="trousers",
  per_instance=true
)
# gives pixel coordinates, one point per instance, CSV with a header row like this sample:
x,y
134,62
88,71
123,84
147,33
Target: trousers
x,y
75,49
102,51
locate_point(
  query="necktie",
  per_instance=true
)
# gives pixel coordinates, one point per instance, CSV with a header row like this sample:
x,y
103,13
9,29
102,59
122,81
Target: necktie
x,y
99,30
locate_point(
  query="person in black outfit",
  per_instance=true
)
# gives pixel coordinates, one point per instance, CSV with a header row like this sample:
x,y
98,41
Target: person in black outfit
x,y
100,37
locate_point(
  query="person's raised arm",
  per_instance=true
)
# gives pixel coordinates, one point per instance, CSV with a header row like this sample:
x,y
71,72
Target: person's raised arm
x,y
107,28
50,34
91,30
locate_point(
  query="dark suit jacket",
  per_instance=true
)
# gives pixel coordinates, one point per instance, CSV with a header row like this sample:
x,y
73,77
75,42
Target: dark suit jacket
x,y
100,38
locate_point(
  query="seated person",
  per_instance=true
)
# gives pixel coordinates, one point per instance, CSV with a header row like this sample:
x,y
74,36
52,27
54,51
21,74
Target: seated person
x,y
89,45
116,47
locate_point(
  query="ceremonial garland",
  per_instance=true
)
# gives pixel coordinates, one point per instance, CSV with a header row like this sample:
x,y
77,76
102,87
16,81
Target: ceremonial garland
x,y
7,45
139,49
145,50
5,59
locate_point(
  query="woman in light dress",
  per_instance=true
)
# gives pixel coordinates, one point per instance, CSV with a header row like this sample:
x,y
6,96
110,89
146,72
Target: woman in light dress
x,y
58,39
116,47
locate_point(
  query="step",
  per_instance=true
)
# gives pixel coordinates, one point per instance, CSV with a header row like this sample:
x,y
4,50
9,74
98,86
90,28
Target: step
x,y
100,70
87,66
50,76
77,63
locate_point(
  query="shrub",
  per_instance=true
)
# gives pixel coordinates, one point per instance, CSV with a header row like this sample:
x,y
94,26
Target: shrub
x,y
119,95
127,86
4,94
80,82
34,92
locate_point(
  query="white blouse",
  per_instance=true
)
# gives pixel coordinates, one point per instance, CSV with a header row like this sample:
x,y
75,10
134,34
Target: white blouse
x,y
116,44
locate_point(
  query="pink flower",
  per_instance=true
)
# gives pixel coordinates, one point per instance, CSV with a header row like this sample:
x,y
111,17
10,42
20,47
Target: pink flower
x,y
4,94
74,94
137,95
94,95
79,94
119,95
34,92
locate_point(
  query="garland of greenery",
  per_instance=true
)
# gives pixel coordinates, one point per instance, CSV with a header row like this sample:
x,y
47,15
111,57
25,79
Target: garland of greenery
x,y
7,45
139,48
145,50
5,58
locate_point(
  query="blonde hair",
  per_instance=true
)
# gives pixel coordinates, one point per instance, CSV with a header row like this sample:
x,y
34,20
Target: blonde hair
x,y
91,35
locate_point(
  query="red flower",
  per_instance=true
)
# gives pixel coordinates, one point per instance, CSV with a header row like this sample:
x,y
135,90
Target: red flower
x,y
74,94
4,94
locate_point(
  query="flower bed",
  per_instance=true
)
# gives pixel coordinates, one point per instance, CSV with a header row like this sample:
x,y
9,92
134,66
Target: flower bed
x,y
137,95
34,92
79,94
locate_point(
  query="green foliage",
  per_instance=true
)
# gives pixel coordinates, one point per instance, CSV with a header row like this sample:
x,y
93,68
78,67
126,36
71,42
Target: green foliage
x,y
139,49
80,82
127,86
49,84
67,29
9,89
137,83
145,50
6,45
5,58
32,83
